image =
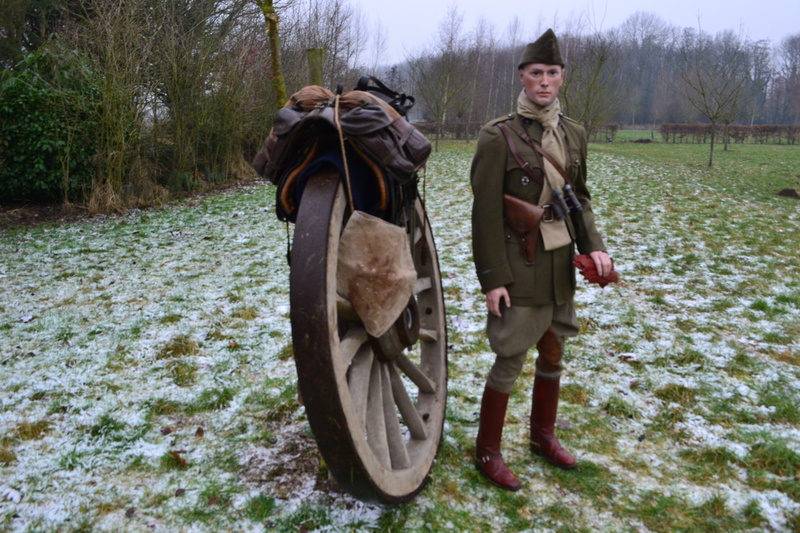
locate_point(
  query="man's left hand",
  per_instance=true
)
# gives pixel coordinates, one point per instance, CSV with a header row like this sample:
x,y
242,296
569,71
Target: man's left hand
x,y
602,263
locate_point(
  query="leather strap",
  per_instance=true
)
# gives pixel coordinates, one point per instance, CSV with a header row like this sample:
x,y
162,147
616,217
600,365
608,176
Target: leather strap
x,y
526,167
401,102
536,146
577,218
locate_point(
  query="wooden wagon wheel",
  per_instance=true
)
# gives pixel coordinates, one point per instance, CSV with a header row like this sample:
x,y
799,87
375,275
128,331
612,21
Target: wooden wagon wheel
x,y
377,412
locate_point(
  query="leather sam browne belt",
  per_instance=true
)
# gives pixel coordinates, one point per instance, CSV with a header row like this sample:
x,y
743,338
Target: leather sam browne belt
x,y
539,150
524,217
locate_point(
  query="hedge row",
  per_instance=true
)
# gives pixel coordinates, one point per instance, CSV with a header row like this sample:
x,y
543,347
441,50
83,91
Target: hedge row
x,y
759,134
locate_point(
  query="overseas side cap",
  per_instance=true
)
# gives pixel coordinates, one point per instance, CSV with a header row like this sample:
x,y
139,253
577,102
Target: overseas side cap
x,y
544,50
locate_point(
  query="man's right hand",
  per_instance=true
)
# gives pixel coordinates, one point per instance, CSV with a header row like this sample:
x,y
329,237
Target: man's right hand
x,y
495,299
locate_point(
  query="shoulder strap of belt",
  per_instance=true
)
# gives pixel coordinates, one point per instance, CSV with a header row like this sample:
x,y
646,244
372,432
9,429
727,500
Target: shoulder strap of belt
x,y
526,167
536,146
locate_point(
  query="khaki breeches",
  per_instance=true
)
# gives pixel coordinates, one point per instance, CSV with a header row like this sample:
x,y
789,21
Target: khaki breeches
x,y
517,331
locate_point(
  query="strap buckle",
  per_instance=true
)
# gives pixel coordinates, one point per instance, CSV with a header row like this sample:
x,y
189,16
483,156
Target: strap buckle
x,y
548,213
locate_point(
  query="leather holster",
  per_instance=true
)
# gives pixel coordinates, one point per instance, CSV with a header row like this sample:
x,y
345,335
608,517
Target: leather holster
x,y
524,219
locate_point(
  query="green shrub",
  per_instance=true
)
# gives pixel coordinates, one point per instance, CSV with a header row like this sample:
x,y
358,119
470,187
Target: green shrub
x,y
47,128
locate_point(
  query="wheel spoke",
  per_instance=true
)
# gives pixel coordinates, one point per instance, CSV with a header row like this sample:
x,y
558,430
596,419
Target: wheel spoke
x,y
422,284
428,335
358,381
376,422
394,433
417,233
345,309
350,344
415,374
410,414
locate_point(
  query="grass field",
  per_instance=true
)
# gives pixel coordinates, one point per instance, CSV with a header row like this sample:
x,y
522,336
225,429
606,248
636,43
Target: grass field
x,y
148,384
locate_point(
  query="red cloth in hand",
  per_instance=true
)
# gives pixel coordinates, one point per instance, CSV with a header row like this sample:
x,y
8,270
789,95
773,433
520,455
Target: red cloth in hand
x,y
587,267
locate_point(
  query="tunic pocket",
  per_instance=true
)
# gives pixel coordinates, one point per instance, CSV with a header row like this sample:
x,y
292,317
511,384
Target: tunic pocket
x,y
524,185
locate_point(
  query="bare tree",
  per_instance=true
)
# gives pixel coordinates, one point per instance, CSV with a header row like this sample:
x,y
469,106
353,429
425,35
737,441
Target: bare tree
x,y
790,56
669,104
171,97
331,25
486,82
441,78
788,83
643,40
592,89
379,47
514,33
714,76
119,39
760,74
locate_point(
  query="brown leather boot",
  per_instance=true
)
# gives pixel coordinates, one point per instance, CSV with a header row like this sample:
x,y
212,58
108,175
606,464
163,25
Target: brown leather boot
x,y
490,433
545,402
543,422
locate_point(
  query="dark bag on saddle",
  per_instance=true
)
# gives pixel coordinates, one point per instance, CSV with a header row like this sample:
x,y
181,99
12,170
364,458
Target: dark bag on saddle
x,y
316,122
524,219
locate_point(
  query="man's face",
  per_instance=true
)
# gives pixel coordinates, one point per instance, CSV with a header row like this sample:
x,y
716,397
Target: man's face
x,y
541,82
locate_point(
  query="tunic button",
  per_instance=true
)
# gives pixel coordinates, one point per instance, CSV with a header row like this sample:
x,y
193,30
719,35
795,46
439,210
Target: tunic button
x,y
525,181
508,236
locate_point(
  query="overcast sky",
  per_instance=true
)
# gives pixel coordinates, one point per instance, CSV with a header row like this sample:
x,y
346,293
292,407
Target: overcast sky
x,y
411,24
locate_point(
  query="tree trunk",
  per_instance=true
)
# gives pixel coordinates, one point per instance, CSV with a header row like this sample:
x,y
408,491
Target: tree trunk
x,y
711,152
316,57
271,21
726,137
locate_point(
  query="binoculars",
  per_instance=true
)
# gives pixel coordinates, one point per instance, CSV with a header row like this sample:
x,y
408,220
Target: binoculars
x,y
565,203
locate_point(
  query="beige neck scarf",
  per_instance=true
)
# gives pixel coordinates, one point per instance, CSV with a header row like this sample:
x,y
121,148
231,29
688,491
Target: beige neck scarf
x,y
555,233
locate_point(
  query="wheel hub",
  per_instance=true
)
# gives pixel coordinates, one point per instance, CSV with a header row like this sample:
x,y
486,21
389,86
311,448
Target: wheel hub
x,y
403,333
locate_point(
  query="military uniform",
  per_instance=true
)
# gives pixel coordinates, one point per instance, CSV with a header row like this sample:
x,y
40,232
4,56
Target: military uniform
x,y
541,294
496,250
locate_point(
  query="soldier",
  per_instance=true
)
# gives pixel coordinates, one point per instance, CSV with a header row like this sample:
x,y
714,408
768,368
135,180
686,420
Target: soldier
x,y
539,156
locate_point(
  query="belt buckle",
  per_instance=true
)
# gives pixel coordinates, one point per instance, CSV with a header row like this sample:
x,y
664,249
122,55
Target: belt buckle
x,y
547,209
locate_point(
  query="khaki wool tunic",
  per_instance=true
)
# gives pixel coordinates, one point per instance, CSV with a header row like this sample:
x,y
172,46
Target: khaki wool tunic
x,y
496,250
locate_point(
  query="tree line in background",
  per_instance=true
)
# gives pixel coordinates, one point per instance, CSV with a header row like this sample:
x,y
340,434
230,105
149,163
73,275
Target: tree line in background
x,y
734,133
109,104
